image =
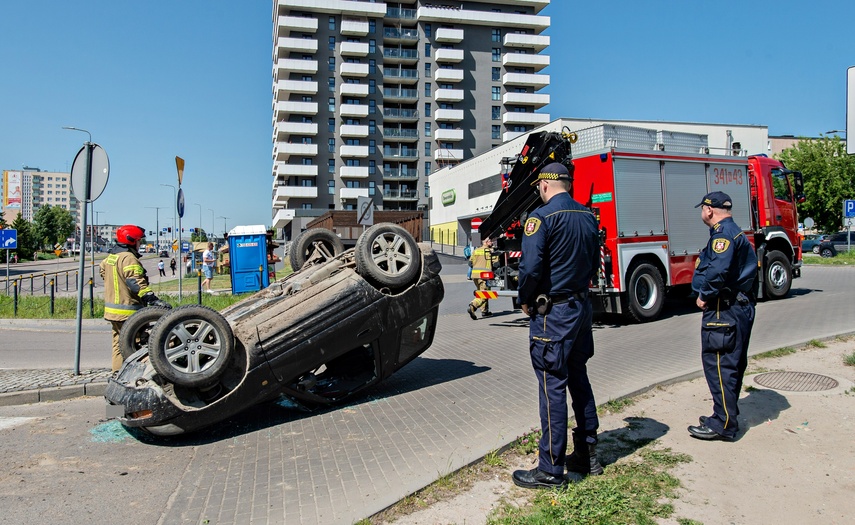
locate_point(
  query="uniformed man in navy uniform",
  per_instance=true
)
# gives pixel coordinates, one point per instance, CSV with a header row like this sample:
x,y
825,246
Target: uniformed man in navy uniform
x,y
560,255
724,280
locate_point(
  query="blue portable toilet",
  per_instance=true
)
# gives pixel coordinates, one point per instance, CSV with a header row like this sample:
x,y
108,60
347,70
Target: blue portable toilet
x,y
248,253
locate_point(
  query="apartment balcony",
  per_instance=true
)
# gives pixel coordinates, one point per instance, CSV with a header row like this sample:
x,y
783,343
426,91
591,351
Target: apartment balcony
x,y
536,42
354,151
536,80
346,7
353,172
353,49
400,135
446,35
283,130
448,154
402,154
400,56
397,194
400,76
442,15
297,23
448,95
352,193
295,170
351,27
350,69
286,66
511,135
400,115
286,88
448,115
453,56
353,110
353,90
283,151
286,107
282,217
350,130
538,100
400,95
537,62
393,35
285,193
401,16
448,75
512,117
398,174
297,45
448,135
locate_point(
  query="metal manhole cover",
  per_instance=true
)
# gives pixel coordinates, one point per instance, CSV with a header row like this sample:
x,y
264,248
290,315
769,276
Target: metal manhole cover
x,y
795,381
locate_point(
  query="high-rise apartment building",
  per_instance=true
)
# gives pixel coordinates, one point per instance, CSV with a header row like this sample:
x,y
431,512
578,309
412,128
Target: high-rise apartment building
x,y
369,97
25,191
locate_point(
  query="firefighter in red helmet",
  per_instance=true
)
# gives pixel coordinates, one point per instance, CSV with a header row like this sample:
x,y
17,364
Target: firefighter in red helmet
x,y
126,287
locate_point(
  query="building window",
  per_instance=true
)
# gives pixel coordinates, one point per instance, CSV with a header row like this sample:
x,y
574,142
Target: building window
x,y
307,183
372,127
427,189
427,89
497,54
427,49
427,70
496,35
307,98
372,66
371,187
331,83
352,184
497,93
372,107
427,109
331,186
427,31
353,163
331,104
372,147
427,149
372,46
332,23
427,129
306,206
497,131
497,112
372,26
332,43
306,161
372,86
331,125
352,142
332,64
427,169
497,74
332,145
372,167
306,140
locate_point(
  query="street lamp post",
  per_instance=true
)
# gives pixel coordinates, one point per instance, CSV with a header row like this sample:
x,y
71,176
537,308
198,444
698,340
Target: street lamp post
x,y
225,228
157,224
175,206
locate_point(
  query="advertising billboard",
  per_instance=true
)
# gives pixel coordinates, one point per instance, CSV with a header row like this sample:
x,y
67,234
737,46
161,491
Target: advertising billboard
x,y
12,189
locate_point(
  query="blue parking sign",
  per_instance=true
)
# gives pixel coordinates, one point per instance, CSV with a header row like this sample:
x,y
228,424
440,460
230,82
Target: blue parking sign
x,y
849,208
8,239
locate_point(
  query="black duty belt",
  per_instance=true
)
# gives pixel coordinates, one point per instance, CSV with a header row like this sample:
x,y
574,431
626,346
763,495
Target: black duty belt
x,y
563,298
739,297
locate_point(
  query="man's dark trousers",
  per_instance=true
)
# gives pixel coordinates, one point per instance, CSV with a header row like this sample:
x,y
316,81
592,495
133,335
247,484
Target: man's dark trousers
x,y
724,370
561,342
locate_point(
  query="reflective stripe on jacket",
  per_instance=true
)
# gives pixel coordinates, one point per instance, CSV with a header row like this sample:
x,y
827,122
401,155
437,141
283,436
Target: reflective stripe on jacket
x,y
125,281
482,261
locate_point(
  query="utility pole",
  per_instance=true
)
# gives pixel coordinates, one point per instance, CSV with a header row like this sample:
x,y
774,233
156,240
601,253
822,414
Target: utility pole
x,y
157,224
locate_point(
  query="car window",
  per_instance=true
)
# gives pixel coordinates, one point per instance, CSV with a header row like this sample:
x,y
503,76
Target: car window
x,y
416,336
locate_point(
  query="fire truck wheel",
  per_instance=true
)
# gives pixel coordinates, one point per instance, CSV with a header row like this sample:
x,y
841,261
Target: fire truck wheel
x,y
313,245
778,276
646,294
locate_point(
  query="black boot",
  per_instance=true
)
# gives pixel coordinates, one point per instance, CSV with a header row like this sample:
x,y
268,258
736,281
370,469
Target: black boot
x,y
583,460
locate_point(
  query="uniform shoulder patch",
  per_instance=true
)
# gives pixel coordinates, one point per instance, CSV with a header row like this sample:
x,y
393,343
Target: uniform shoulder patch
x,y
531,226
720,245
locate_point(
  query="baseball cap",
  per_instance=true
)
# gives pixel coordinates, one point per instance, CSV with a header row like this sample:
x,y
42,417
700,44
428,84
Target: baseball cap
x,y
716,199
553,171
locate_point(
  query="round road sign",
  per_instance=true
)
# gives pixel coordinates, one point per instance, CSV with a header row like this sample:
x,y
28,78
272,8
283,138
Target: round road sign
x,y
180,204
476,223
100,170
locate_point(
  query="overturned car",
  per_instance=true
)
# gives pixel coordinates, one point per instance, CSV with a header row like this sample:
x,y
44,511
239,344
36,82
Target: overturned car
x,y
344,321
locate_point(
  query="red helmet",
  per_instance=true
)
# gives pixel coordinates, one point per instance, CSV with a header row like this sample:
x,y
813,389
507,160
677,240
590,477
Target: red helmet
x,y
129,234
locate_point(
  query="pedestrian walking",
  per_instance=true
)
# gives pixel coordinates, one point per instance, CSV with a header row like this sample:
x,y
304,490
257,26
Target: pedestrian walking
x,y
208,267
172,266
560,254
724,279
161,268
481,260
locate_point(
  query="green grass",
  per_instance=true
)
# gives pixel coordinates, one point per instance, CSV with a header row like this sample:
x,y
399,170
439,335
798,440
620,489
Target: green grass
x,y
615,405
494,459
778,352
815,343
527,443
843,258
849,360
634,491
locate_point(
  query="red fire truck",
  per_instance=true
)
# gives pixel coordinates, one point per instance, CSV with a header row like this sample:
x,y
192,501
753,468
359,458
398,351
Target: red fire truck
x,y
643,185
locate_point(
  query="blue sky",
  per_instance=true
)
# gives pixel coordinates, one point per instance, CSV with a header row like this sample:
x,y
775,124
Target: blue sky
x,y
152,80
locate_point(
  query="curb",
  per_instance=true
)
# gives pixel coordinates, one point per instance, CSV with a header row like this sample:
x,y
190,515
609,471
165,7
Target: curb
x,y
55,393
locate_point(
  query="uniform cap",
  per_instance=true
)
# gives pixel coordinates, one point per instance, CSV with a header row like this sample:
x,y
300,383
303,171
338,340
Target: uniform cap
x,y
553,171
716,199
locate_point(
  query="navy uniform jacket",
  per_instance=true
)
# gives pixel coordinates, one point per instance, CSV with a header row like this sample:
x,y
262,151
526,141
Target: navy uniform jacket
x,y
728,261
560,250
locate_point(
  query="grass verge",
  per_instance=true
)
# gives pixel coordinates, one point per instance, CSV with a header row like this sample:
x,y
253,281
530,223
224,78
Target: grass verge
x,y
842,259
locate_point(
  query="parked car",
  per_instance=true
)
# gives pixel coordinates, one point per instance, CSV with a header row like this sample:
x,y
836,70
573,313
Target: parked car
x,y
811,242
164,253
341,323
837,243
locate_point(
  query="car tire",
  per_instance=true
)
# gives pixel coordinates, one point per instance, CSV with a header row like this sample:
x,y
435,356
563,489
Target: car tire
x,y
314,243
778,277
646,294
191,346
827,252
815,249
136,330
388,255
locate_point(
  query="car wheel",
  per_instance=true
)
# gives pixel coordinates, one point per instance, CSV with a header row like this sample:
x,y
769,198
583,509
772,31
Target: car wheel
x,y
815,249
778,275
312,245
646,294
137,329
191,346
388,255
827,252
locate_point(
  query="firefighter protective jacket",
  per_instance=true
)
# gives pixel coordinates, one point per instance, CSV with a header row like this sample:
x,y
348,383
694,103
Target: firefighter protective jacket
x,y
125,282
482,261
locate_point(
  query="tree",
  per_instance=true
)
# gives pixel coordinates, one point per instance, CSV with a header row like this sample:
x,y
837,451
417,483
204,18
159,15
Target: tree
x,y
26,243
829,175
3,224
52,225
